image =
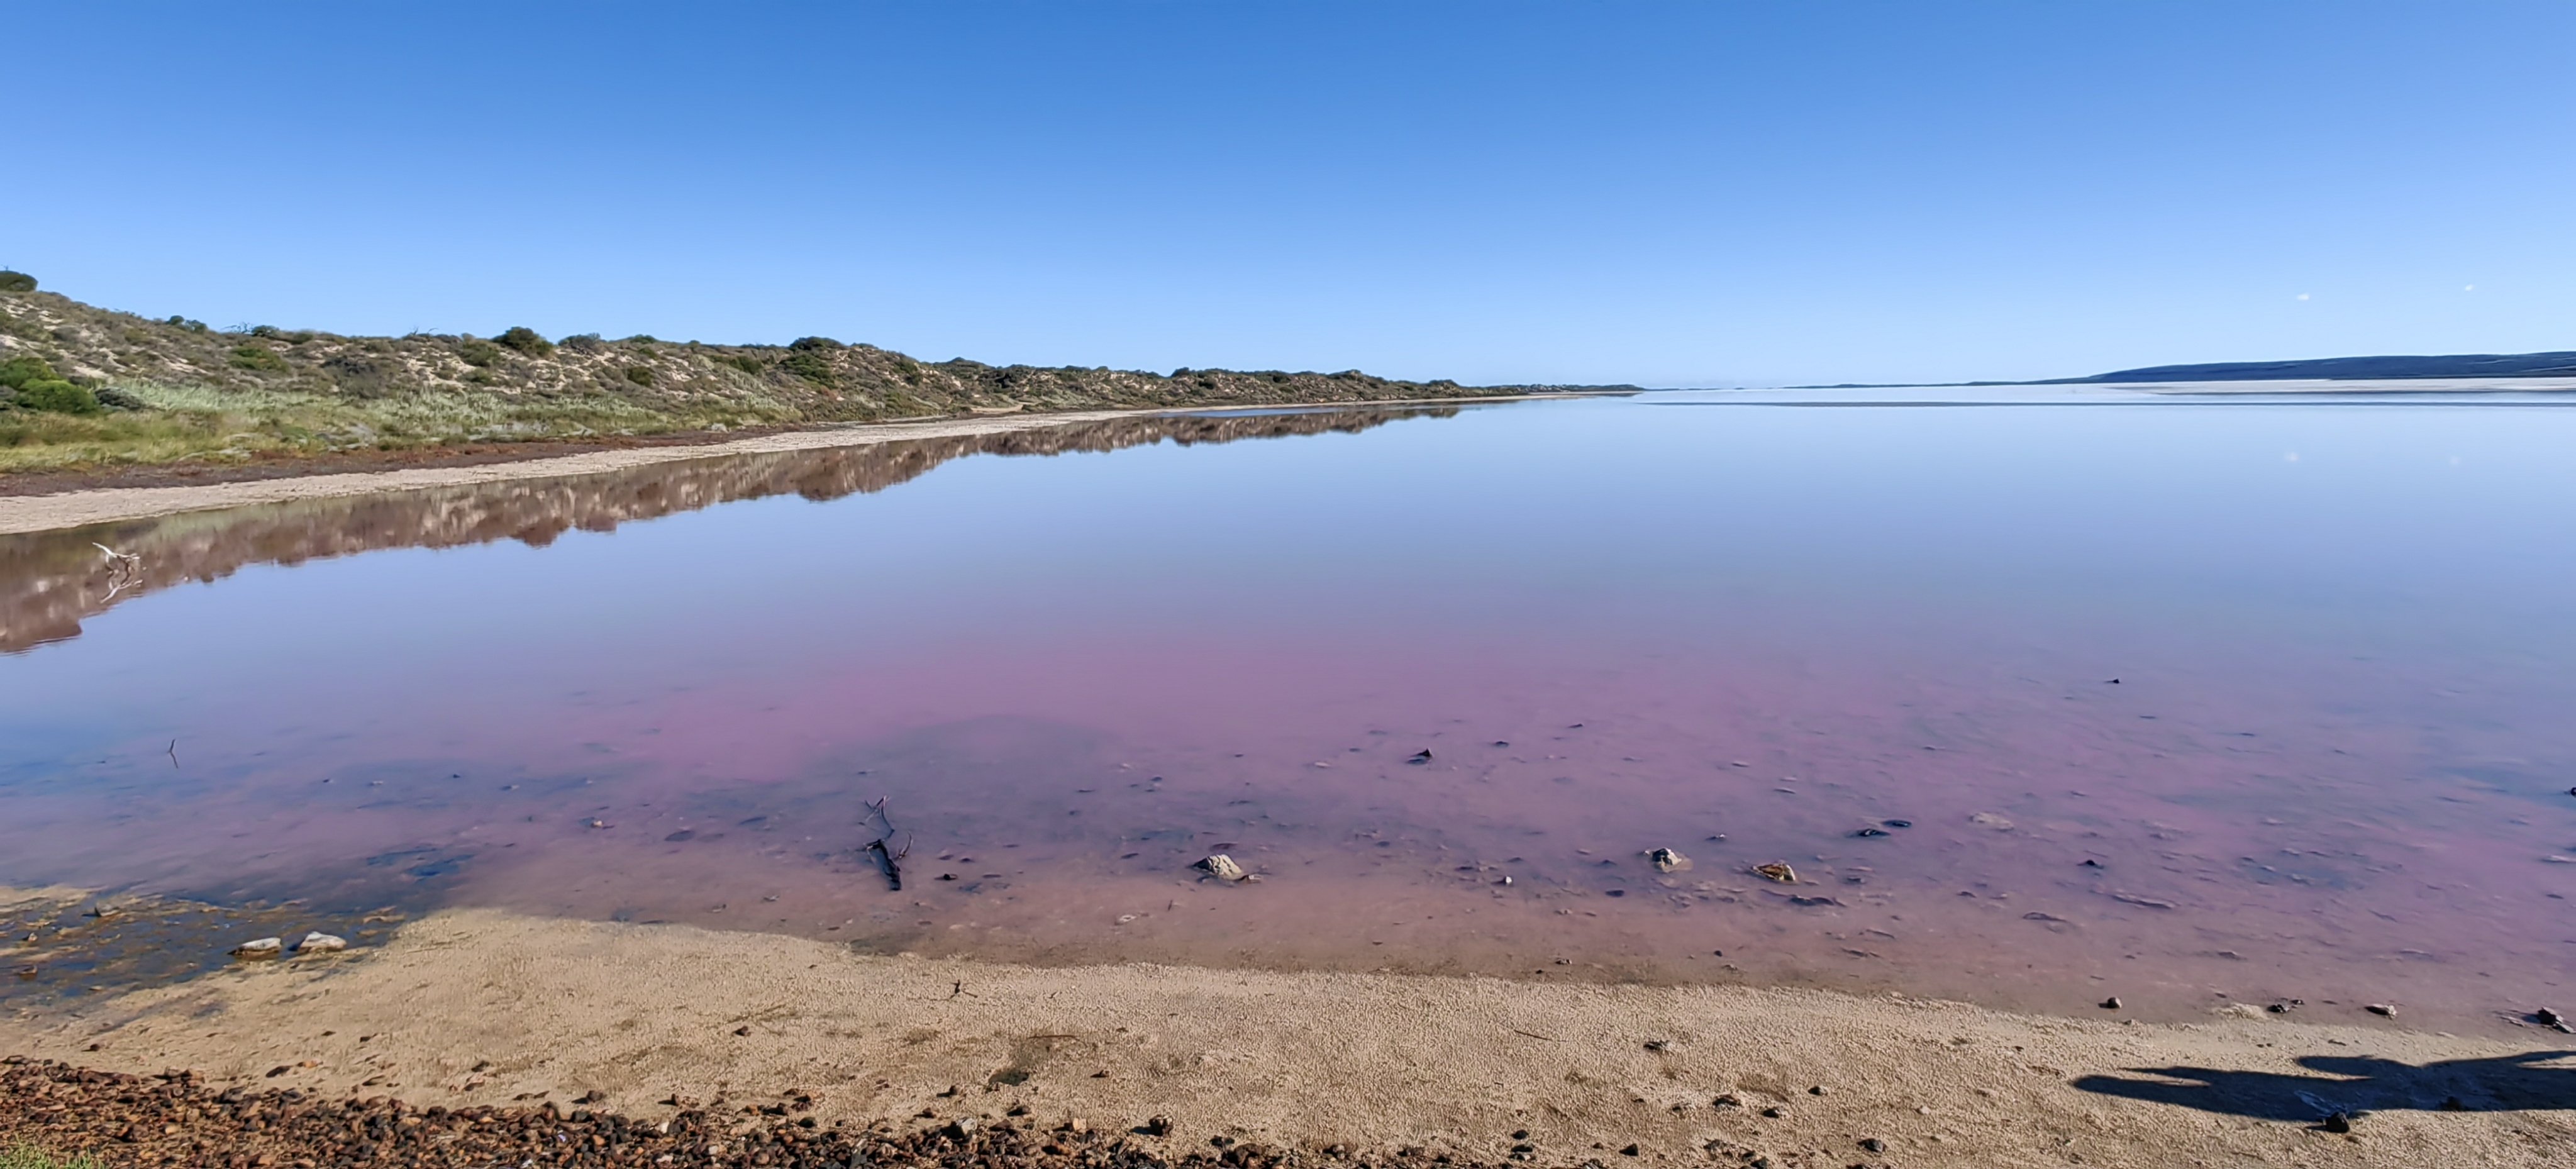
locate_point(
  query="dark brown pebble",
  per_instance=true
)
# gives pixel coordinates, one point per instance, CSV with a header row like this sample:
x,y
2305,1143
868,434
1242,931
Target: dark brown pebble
x,y
175,1119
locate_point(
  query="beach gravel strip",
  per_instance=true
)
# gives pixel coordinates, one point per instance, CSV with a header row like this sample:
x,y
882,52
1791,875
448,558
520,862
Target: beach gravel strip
x,y
174,1118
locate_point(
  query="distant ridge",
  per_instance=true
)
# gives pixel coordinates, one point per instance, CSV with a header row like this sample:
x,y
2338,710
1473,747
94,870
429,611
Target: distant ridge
x,y
2335,368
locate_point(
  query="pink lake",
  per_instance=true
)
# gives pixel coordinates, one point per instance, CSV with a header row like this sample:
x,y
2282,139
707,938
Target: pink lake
x,y
1877,642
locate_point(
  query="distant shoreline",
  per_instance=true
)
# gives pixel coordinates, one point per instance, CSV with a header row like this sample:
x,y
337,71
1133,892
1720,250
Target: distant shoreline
x,y
81,501
2452,384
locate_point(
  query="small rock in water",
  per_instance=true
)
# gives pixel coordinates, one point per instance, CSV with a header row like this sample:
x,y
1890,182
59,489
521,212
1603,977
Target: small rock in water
x,y
1668,860
1898,823
2090,863
260,948
318,942
2382,1009
2552,1020
596,822
1420,757
1866,833
2111,1004
1778,871
1222,867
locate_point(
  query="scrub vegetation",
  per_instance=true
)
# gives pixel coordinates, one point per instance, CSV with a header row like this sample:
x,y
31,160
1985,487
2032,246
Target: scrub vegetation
x,y
82,386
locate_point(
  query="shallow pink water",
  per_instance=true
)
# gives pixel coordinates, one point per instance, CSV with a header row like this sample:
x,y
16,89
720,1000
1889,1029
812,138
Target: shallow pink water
x,y
2333,767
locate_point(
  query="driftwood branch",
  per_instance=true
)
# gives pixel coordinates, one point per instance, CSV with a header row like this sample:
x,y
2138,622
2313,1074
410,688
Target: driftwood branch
x,y
880,847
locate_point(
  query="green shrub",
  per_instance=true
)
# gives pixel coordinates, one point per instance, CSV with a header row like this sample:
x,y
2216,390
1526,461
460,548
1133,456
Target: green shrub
x,y
814,344
746,362
258,357
116,399
585,343
361,377
18,371
479,353
639,375
11,281
192,326
810,365
57,396
525,340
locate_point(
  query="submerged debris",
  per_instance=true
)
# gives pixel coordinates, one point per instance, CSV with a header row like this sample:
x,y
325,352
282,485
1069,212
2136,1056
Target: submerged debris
x,y
880,833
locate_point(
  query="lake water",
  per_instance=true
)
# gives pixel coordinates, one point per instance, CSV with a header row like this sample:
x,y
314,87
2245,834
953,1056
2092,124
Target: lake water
x,y
2046,695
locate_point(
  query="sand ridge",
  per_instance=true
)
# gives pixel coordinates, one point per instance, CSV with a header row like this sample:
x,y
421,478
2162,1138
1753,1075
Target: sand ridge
x,y
73,509
649,1013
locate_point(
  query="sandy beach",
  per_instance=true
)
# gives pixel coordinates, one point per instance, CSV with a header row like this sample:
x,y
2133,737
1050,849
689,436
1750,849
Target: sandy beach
x,y
474,1007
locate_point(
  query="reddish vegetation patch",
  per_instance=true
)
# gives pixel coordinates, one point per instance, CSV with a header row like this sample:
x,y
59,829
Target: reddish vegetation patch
x,y
172,1119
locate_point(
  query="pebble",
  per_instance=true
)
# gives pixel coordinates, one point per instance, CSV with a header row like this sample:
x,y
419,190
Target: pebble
x,y
1222,867
2382,1009
1668,860
318,942
1778,871
1873,1145
2112,1003
2552,1020
260,948
2337,1122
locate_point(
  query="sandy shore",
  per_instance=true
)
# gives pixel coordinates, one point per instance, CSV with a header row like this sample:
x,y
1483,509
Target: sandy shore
x,y
80,508
481,1007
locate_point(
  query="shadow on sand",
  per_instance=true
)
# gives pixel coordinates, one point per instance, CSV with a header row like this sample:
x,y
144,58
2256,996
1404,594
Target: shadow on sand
x,y
2354,1085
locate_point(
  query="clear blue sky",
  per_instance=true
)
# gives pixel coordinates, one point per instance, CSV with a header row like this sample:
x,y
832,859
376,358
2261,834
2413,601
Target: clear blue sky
x,y
1670,194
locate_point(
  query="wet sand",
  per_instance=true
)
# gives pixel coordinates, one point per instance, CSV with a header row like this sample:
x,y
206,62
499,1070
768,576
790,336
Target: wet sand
x,y
479,1007
77,508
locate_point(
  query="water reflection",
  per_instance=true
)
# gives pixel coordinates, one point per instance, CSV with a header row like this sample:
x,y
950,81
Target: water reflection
x,y
51,581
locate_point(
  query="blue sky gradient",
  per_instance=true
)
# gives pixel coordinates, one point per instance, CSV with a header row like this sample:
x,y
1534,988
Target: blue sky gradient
x,y
1668,194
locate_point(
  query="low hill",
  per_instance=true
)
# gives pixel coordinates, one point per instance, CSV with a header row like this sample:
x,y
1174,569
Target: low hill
x,y
2470,365
87,386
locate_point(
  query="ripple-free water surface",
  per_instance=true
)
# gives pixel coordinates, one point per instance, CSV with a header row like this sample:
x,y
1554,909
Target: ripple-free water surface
x,y
2057,697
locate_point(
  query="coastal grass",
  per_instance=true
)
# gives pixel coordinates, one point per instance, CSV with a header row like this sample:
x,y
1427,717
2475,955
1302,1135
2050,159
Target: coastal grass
x,y
193,423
